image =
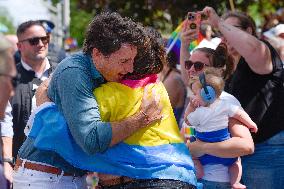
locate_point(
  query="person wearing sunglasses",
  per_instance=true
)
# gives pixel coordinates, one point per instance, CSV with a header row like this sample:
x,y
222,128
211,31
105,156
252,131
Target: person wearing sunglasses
x,y
257,82
7,74
33,68
241,142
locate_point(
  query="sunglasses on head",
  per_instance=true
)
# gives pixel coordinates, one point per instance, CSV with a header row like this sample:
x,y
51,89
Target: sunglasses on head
x,y
14,79
198,66
35,40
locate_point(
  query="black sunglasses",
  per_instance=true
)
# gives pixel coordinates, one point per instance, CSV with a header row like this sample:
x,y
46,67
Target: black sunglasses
x,y
198,66
35,40
14,79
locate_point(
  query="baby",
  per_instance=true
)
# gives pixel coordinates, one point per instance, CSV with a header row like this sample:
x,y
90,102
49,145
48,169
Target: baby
x,y
210,121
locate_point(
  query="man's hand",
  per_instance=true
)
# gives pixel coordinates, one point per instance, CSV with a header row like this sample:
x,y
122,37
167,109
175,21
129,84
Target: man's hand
x,y
41,93
150,112
150,107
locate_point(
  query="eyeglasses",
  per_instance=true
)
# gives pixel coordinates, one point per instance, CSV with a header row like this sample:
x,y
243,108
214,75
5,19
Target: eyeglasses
x,y
35,40
14,79
198,66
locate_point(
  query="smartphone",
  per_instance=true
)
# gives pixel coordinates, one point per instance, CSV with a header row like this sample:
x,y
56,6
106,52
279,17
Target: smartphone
x,y
193,21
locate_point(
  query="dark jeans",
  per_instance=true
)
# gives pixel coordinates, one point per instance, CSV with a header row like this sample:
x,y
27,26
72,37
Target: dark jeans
x,y
153,184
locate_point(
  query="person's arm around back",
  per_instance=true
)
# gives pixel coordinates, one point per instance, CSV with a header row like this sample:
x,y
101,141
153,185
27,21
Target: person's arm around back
x,y
81,112
150,111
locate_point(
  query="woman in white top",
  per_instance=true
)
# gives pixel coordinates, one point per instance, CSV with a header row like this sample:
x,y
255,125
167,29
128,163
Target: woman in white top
x,y
241,142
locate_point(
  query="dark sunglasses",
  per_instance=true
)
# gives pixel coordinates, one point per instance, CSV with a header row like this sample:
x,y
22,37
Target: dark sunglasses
x,y
198,66
35,40
14,79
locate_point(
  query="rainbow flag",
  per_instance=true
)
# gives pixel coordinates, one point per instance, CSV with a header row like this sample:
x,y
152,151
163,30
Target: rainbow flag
x,y
174,42
155,151
189,132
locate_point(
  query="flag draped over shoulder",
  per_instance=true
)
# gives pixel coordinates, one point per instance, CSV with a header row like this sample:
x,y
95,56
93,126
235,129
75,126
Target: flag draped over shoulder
x,y
156,151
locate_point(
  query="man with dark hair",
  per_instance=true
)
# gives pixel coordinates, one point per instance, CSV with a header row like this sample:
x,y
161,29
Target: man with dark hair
x,y
110,47
7,74
33,69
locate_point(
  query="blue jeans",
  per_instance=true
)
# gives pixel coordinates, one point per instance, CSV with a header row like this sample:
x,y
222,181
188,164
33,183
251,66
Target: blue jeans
x,y
3,181
265,168
214,185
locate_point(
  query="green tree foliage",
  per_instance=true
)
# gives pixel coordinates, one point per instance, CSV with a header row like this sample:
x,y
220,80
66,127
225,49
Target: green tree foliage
x,y
163,15
6,20
79,21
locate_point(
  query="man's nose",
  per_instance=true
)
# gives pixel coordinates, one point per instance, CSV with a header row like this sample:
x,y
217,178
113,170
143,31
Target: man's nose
x,y
40,43
192,69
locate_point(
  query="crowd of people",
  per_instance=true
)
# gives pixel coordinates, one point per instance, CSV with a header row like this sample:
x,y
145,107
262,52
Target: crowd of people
x,y
121,107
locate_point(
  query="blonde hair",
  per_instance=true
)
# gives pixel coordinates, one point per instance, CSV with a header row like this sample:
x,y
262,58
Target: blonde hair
x,y
5,50
213,77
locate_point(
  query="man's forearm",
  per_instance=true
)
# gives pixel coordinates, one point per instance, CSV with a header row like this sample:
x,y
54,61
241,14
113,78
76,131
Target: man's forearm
x,y
122,130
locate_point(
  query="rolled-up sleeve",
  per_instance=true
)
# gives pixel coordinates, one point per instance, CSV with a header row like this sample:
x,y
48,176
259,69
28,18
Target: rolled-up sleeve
x,y
72,90
7,123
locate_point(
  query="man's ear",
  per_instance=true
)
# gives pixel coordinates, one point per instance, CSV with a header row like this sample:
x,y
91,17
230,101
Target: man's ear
x,y
96,54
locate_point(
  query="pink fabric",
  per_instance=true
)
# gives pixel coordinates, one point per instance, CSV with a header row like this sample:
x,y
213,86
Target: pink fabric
x,y
140,83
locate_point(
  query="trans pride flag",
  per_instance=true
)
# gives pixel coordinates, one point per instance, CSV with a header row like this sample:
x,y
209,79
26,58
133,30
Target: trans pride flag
x,y
174,42
156,151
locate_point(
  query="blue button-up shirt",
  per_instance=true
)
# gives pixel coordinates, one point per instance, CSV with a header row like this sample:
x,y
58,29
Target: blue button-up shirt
x,y
71,88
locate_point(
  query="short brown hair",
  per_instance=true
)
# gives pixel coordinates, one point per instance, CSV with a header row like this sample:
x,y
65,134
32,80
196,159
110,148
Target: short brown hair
x,y
26,25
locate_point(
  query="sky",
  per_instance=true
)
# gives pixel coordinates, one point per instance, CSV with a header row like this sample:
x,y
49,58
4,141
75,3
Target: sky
x,y
23,10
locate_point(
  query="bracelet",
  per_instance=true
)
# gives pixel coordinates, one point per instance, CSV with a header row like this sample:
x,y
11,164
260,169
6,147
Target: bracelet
x,y
10,160
146,116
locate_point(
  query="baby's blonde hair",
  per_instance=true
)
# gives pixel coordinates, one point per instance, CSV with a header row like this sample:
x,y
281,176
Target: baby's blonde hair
x,y
213,77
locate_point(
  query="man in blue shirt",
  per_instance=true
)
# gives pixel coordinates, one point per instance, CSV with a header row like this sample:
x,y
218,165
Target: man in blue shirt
x,y
110,47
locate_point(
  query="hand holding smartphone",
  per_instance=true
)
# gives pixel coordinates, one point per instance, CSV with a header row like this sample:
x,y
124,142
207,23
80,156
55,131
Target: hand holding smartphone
x,y
193,20
193,23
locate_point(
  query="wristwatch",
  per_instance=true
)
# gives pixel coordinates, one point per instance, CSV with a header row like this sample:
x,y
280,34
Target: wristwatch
x,y
10,160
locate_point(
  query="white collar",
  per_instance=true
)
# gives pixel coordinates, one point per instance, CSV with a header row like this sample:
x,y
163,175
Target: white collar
x,y
38,75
